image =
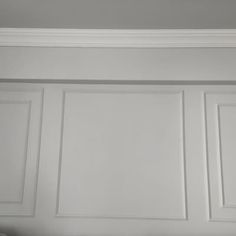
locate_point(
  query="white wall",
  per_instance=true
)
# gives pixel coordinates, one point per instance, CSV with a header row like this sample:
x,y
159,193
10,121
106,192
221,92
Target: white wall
x,y
118,64
122,14
102,158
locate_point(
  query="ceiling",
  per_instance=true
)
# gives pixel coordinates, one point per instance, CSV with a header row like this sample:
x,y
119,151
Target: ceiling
x,y
118,14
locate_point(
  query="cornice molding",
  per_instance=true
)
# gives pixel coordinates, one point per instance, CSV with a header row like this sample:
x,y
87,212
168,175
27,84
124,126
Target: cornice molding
x,y
114,38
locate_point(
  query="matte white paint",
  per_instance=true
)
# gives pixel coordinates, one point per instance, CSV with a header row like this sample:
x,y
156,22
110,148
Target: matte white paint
x,y
118,159
119,14
118,38
211,64
20,125
220,127
115,144
181,99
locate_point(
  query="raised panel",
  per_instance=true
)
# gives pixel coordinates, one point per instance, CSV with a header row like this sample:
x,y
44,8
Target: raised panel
x,y
220,124
122,153
227,141
14,131
20,123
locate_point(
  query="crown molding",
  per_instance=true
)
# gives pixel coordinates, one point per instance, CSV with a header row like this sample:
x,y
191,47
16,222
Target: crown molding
x,y
159,38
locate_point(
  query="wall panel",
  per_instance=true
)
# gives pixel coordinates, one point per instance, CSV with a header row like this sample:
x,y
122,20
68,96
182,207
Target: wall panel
x,y
115,156
220,111
20,123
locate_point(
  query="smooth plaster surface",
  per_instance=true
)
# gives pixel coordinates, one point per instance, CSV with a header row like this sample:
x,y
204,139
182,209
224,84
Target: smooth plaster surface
x,y
118,14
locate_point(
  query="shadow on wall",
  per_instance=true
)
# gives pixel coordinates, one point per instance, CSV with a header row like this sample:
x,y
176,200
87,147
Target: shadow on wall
x,y
5,231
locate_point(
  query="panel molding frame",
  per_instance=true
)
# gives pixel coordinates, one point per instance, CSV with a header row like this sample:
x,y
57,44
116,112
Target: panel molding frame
x,y
29,103
19,88
211,218
223,201
183,150
115,38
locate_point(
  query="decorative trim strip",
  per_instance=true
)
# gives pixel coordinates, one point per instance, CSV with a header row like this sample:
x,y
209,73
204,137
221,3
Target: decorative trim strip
x,y
117,81
206,146
159,38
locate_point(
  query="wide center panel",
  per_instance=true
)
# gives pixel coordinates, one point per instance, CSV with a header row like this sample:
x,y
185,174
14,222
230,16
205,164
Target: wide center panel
x,y
122,153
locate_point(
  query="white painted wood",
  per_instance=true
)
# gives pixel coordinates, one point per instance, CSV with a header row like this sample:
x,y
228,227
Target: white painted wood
x,y
220,130
111,159
20,124
120,159
138,65
159,38
57,208
14,126
115,155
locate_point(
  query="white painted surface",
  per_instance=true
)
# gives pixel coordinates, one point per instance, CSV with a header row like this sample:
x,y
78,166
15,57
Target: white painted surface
x,y
122,14
113,38
220,127
122,145
115,144
113,159
209,64
20,137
